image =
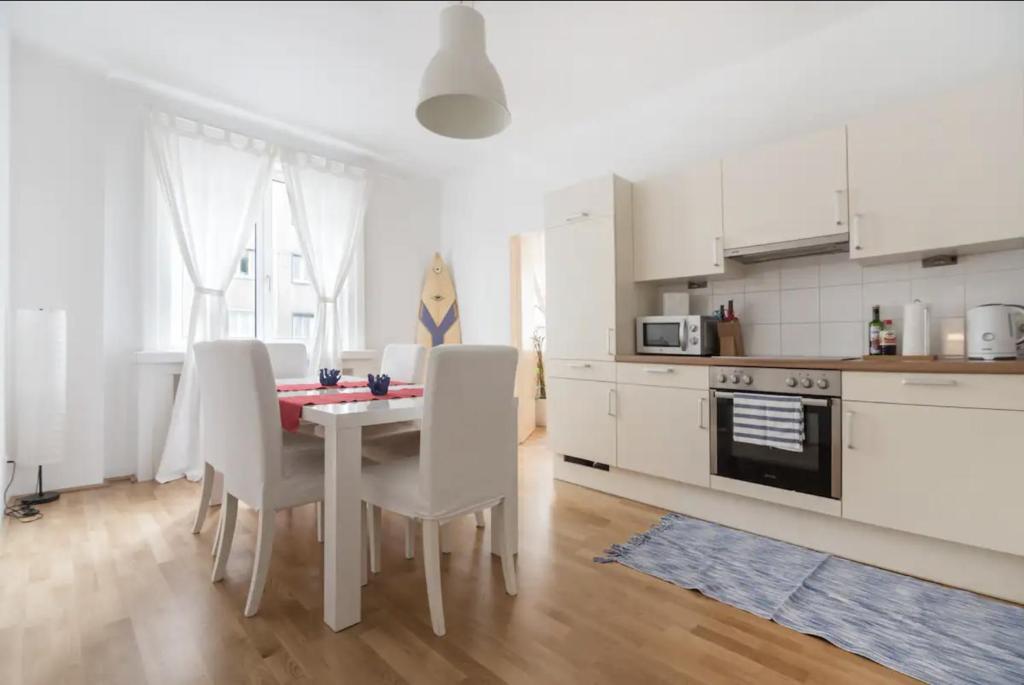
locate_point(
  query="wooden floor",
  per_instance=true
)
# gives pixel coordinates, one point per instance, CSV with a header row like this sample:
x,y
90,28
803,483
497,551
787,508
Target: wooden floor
x,y
111,587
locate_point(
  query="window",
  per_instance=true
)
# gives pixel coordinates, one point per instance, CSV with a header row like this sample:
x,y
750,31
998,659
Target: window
x,y
302,325
270,296
300,272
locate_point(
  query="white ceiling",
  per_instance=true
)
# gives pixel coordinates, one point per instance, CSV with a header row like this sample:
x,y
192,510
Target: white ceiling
x,y
351,69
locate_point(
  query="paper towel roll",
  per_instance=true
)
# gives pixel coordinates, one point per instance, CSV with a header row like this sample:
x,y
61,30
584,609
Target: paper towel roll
x,y
916,328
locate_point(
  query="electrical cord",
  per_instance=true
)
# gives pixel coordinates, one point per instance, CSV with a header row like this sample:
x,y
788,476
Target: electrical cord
x,y
22,512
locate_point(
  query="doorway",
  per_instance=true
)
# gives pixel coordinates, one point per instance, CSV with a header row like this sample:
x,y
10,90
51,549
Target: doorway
x,y
528,328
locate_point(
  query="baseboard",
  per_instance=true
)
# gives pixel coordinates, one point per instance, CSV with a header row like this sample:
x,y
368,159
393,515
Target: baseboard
x,y
983,571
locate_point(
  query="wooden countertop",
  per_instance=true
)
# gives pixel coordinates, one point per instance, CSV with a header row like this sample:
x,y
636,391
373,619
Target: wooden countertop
x,y
883,365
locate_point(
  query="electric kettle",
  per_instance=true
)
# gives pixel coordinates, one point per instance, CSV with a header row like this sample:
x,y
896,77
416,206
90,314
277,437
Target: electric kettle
x,y
994,331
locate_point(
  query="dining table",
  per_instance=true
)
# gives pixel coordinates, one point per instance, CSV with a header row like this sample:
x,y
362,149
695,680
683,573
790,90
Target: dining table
x,y
345,531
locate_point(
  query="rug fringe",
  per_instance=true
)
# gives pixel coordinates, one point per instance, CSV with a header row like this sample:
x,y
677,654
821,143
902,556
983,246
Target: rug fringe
x,y
616,551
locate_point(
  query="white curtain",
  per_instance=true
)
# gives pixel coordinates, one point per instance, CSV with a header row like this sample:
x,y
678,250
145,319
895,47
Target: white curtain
x,y
214,182
328,203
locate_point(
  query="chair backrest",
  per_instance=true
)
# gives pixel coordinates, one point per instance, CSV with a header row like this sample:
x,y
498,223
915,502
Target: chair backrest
x,y
404,363
241,421
468,435
288,359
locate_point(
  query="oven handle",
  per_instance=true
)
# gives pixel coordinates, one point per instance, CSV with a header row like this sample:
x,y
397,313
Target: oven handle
x,y
806,401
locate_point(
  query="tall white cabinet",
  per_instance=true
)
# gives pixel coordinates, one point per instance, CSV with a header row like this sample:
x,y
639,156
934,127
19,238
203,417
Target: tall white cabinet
x,y
939,173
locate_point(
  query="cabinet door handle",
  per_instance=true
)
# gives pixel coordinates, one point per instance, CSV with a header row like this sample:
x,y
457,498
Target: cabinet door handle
x,y
839,195
611,341
579,366
849,430
655,370
855,231
701,401
612,402
715,261
580,216
947,382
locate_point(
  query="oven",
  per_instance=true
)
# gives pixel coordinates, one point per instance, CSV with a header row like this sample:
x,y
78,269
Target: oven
x,y
814,470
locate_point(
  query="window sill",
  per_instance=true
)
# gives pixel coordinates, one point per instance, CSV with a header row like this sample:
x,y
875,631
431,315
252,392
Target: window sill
x,y
152,357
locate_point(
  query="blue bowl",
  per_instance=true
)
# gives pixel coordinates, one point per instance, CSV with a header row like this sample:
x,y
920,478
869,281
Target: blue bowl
x,y
329,377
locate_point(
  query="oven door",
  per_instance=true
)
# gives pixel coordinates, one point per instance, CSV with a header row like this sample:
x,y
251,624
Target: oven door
x,y
817,470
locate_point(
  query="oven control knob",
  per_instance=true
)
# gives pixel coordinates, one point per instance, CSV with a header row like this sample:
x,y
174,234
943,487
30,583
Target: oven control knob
x,y
747,380
721,378
734,378
806,382
822,383
791,382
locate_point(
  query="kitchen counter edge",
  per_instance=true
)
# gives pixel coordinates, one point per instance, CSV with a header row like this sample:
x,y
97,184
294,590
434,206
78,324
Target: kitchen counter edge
x,y
887,365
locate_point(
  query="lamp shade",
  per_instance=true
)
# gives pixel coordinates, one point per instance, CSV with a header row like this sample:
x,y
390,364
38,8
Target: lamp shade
x,y
461,95
40,386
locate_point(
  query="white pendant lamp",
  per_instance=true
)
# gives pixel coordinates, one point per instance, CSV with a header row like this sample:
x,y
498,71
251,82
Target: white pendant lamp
x,y
461,95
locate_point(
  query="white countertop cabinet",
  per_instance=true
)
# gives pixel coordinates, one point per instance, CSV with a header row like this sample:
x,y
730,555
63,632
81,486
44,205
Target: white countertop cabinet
x,y
940,173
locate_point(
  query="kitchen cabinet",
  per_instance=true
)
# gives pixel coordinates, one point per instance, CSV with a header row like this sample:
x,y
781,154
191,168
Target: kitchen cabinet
x,y
677,224
585,200
946,472
581,419
663,431
580,282
792,190
940,173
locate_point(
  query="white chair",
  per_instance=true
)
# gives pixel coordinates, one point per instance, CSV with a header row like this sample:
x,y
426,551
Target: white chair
x,y
288,359
466,462
404,363
242,433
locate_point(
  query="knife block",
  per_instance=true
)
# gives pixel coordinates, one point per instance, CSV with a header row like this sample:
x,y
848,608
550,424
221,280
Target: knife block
x,y
730,339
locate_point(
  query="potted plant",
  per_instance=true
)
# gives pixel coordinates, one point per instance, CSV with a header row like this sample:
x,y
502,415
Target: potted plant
x,y
542,392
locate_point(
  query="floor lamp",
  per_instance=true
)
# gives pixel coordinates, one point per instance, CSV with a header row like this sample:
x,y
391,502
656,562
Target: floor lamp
x,y
40,393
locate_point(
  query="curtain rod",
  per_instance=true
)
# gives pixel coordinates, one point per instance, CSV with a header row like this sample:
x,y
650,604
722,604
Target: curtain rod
x,y
373,161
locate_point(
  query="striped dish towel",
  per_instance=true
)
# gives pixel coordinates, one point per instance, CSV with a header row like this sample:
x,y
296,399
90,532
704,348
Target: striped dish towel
x,y
771,420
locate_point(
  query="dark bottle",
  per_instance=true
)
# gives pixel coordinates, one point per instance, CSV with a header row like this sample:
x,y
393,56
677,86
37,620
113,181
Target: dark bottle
x,y
875,331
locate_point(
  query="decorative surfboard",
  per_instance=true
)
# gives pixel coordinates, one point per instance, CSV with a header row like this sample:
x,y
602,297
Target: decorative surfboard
x,y
438,319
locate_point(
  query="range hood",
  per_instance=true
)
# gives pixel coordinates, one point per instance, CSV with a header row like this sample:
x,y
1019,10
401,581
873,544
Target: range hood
x,y
833,243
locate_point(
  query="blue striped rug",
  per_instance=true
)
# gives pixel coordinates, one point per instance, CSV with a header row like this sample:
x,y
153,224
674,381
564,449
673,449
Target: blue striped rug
x,y
930,632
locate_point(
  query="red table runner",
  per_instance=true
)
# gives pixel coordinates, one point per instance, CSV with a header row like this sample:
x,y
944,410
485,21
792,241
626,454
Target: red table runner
x,y
291,407
295,387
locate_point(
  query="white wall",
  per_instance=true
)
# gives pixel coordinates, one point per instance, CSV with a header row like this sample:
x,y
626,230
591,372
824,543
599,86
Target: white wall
x,y
78,221
889,52
5,111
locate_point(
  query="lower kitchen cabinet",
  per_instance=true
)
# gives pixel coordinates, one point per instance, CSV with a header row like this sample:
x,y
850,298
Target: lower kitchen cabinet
x,y
664,432
950,473
581,419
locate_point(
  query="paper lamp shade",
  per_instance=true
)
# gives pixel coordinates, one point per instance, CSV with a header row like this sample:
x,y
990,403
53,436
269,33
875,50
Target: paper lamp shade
x,y
40,386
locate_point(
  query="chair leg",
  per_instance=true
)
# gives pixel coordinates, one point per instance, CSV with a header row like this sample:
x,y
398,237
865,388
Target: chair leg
x,y
320,522
446,538
374,519
228,513
261,561
479,519
432,571
204,499
364,544
410,538
508,555
219,533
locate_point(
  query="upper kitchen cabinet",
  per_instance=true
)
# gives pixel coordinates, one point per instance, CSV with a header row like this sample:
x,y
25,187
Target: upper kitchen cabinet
x,y
591,302
939,174
788,191
677,224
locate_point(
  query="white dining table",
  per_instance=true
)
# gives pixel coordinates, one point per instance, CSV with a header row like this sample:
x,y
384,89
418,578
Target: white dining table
x,y
345,544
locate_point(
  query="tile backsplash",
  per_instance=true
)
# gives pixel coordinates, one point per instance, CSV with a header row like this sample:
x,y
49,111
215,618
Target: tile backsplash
x,y
821,305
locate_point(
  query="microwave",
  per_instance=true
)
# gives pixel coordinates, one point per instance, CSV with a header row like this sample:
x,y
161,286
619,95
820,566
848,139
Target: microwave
x,y
684,335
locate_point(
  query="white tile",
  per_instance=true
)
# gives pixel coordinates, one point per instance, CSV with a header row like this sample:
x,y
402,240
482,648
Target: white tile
x,y
799,277
760,278
890,296
841,303
993,261
843,339
840,270
761,307
886,272
944,296
761,340
800,339
1004,287
799,306
732,285
737,304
